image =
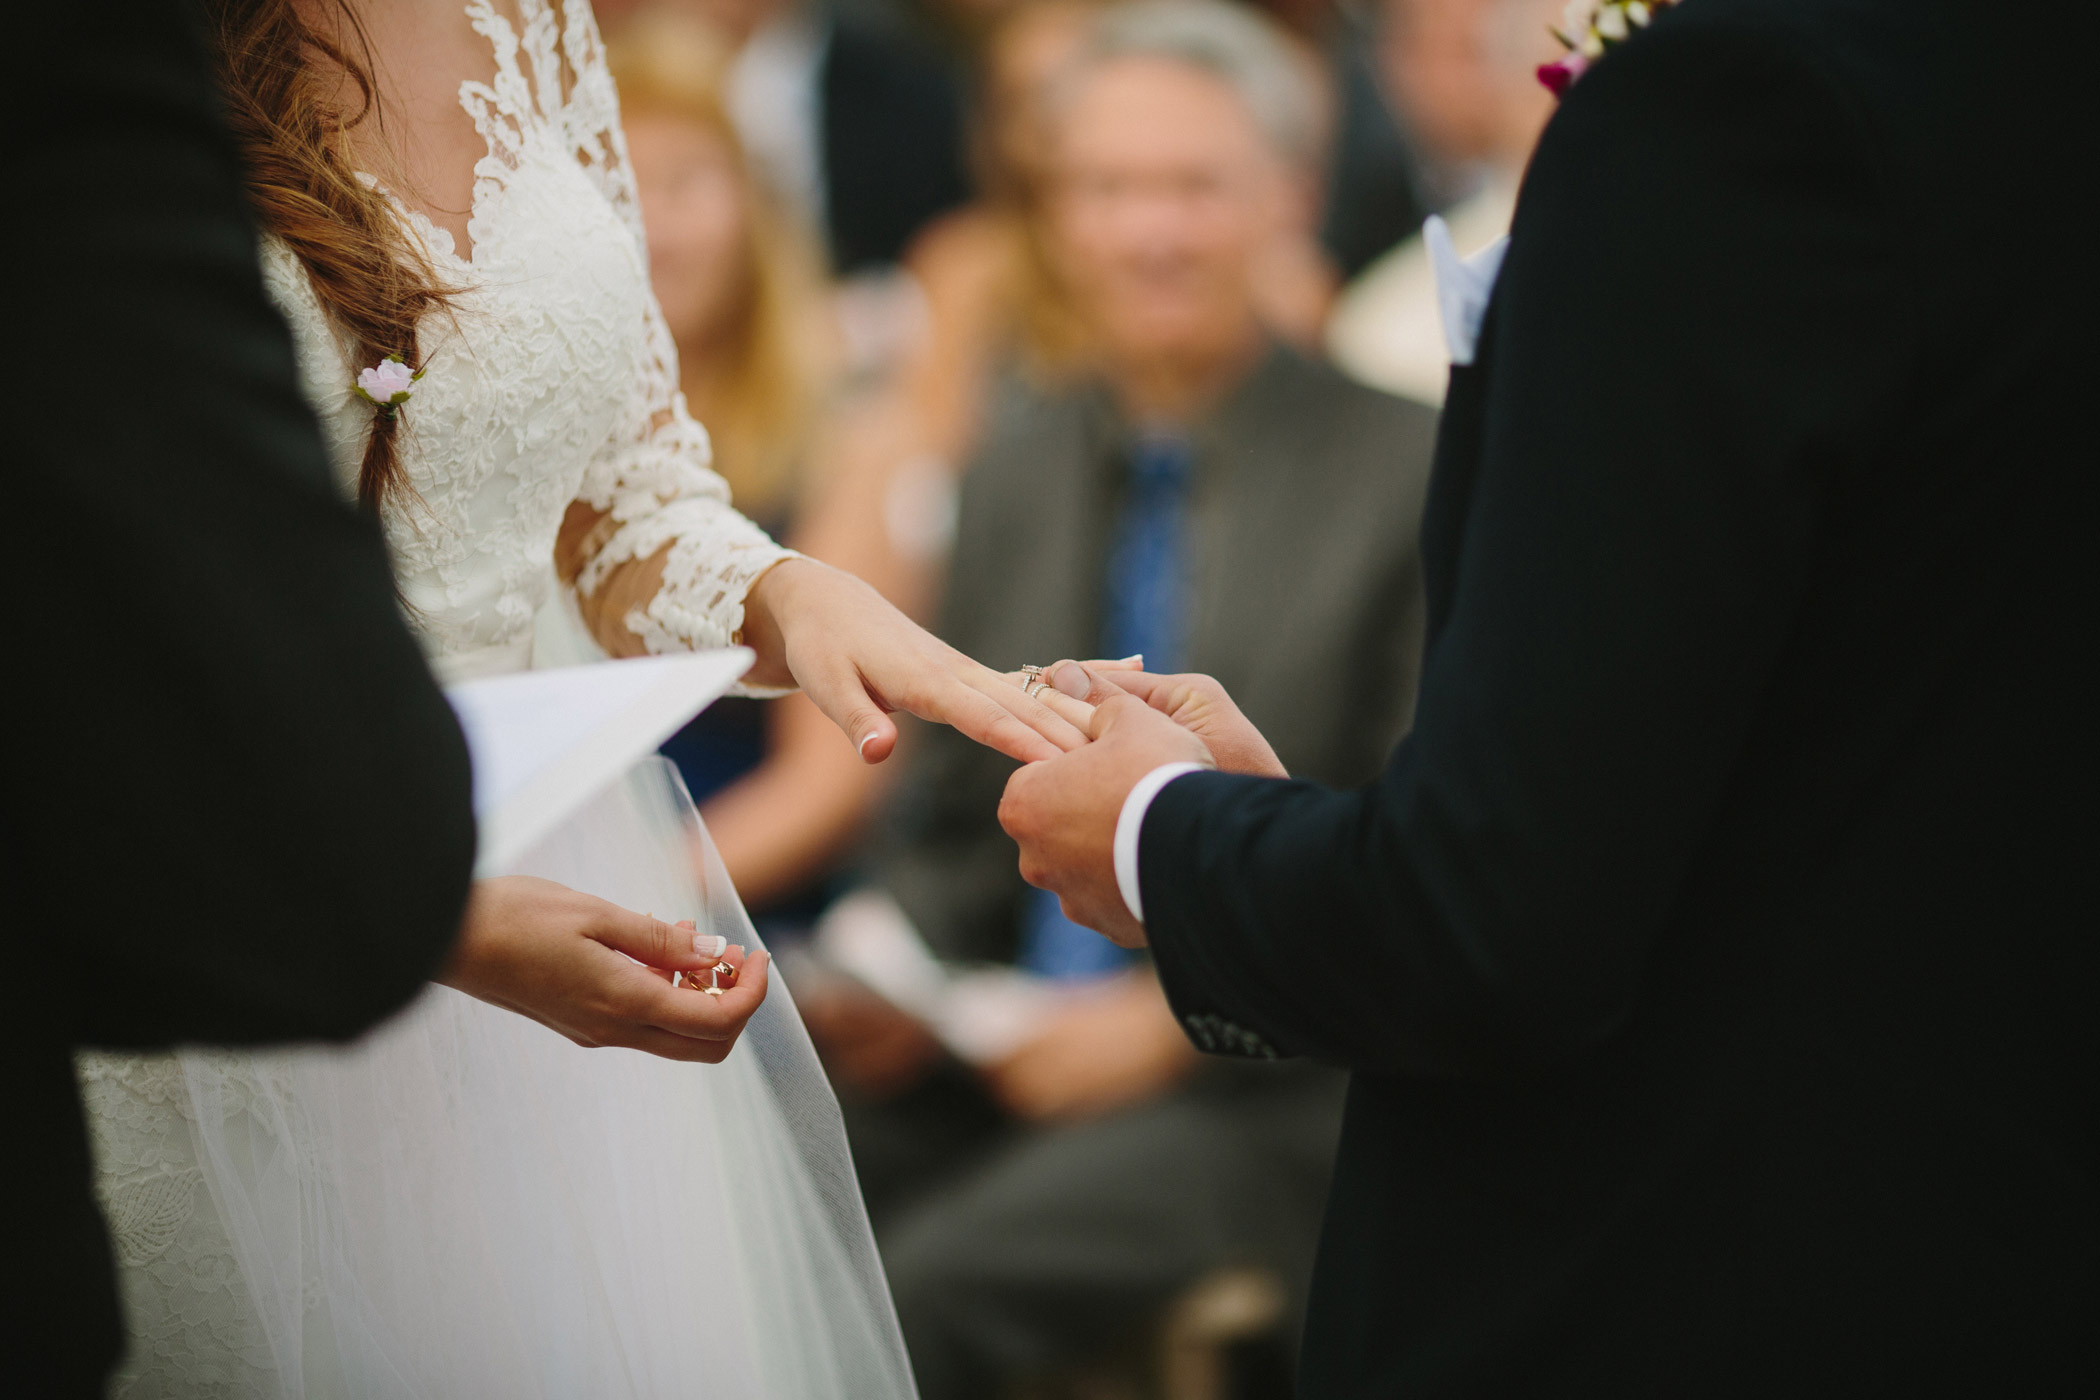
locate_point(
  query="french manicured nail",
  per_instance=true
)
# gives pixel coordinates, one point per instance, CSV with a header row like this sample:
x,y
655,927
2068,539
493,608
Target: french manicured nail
x,y
710,945
1072,679
1138,657
866,739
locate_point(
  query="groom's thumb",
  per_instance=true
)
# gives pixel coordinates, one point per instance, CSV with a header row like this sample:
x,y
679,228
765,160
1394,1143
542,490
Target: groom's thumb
x,y
1115,710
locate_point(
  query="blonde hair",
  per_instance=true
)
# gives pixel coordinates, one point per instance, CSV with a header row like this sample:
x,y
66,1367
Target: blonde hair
x,y
1043,331
760,411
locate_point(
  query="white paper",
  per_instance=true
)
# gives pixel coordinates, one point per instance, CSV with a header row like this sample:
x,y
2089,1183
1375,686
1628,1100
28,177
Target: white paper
x,y
1463,286
545,742
981,1014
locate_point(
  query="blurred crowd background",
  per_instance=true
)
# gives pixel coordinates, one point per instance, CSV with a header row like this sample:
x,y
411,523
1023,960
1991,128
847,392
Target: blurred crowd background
x,y
1080,328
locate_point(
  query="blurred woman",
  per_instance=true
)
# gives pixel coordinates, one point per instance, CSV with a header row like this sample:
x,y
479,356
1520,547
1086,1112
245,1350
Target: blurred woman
x,y
742,290
740,282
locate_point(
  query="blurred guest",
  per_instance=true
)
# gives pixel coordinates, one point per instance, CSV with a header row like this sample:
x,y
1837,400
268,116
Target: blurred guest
x,y
1463,72
989,287
856,124
1377,188
739,279
1043,1154
982,268
741,285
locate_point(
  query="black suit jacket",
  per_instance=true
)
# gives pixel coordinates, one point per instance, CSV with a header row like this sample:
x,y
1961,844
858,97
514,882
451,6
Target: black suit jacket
x,y
891,127
1716,957
235,806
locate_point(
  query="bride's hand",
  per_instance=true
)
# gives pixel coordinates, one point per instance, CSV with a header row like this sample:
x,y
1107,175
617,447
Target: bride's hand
x,y
860,659
599,974
1197,703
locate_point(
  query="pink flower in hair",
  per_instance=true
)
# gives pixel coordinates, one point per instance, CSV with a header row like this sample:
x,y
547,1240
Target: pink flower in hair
x,y
388,384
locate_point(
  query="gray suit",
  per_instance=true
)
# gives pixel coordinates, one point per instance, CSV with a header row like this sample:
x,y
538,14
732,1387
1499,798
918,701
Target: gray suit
x,y
1305,503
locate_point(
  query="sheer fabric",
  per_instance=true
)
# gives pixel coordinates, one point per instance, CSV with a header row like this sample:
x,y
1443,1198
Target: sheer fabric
x,y
466,1204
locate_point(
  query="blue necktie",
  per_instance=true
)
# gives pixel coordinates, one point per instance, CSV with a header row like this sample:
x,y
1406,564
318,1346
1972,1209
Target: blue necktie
x,y
1144,606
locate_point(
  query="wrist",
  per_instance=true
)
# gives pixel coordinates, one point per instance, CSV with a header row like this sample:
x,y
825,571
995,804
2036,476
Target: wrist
x,y
769,604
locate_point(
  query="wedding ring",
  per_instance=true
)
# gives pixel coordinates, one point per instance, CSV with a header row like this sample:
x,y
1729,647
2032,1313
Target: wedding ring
x,y
715,974
1035,687
1034,673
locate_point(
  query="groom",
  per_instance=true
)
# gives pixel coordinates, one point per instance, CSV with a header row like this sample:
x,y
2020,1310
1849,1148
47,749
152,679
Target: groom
x,y
1716,959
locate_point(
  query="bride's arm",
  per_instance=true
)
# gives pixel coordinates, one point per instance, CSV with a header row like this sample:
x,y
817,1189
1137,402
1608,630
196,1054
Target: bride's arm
x,y
694,573
661,562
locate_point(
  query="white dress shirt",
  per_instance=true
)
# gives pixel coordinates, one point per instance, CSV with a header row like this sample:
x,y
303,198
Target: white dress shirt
x,y
1132,821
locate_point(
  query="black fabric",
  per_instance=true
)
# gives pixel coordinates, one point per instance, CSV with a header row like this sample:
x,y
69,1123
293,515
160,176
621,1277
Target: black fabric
x,y
1716,957
891,128
235,803
1374,196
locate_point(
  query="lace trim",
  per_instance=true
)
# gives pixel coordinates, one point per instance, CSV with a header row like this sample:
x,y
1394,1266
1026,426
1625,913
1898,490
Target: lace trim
x,y
192,1323
715,556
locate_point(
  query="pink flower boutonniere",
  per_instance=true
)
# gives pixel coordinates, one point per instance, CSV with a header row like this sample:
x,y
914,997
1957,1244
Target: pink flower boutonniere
x,y
387,385
1588,29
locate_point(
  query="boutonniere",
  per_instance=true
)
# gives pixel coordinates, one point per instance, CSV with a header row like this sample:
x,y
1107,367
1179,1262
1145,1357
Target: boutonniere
x,y
1588,30
387,385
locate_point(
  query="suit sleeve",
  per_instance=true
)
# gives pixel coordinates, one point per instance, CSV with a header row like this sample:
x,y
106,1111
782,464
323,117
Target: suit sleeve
x,y
1701,323
236,803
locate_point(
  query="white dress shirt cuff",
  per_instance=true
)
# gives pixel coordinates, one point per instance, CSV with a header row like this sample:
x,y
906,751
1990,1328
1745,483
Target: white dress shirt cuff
x,y
1132,821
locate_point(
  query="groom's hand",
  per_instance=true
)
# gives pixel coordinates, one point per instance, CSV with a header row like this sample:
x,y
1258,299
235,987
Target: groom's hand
x,y
1063,811
1196,703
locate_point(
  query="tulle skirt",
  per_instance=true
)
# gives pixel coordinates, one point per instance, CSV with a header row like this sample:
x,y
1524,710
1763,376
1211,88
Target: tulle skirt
x,y
466,1204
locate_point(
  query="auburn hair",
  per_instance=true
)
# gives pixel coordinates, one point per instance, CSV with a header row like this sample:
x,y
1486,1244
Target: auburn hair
x,y
284,82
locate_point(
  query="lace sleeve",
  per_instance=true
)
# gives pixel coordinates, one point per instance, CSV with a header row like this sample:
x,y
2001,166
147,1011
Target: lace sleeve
x,y
651,481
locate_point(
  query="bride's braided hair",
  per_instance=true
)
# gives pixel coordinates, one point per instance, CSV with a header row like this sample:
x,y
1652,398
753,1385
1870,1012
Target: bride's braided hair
x,y
279,75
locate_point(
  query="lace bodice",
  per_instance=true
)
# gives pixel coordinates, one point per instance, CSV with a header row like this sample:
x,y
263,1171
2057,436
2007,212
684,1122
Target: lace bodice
x,y
553,380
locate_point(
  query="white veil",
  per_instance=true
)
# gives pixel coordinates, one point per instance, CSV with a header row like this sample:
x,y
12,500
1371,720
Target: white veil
x,y
465,1204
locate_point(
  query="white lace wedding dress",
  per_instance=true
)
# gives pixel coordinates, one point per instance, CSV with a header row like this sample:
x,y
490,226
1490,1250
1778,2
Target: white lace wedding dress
x,y
466,1204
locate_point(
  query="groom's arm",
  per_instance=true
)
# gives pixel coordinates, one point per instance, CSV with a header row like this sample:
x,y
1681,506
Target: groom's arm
x,y
236,803
1697,328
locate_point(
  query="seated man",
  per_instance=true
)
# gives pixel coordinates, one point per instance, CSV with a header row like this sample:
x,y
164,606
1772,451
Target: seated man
x,y
1042,1151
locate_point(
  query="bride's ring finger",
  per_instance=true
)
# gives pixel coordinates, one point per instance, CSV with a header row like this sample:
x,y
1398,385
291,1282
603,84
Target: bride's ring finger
x,y
1041,684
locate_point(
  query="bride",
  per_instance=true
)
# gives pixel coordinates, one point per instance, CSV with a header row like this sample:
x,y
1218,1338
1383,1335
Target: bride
x,y
467,1204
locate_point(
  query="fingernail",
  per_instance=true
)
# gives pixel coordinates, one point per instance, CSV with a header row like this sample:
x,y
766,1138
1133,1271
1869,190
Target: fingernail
x,y
1073,680
866,739
1136,656
710,945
